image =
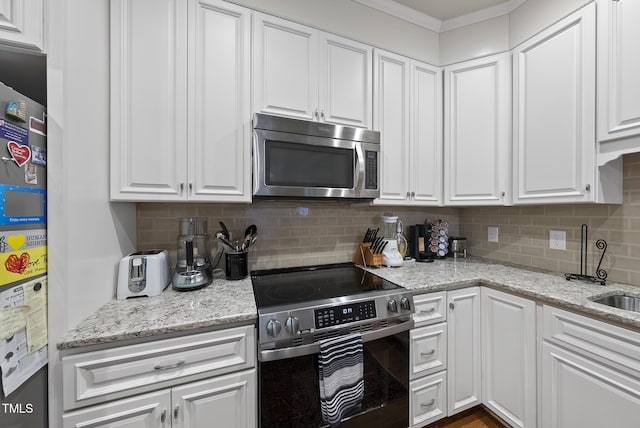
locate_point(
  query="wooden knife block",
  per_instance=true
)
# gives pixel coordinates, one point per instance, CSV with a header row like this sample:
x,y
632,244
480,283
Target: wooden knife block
x,y
364,256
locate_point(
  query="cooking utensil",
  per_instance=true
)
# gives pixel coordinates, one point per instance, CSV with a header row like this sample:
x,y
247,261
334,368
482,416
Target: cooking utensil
x,y
225,230
225,242
249,234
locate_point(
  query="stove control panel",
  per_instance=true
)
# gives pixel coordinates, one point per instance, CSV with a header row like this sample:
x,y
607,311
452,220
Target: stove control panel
x,y
344,314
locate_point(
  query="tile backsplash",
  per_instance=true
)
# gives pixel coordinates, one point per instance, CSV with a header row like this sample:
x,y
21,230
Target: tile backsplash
x,y
289,233
304,233
524,232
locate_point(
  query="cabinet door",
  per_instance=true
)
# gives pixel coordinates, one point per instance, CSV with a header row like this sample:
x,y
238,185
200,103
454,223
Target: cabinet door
x,y
554,112
579,392
219,98
428,399
508,357
141,411
463,349
391,100
618,69
426,134
148,100
285,68
476,134
346,72
22,24
225,401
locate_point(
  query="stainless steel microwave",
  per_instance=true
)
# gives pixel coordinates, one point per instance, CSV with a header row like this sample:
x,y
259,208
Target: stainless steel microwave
x,y
304,159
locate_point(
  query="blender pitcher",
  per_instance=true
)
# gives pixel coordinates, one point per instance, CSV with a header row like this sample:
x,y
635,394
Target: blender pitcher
x,y
193,267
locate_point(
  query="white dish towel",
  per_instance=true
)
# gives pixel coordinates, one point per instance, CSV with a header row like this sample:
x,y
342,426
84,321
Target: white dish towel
x,y
341,380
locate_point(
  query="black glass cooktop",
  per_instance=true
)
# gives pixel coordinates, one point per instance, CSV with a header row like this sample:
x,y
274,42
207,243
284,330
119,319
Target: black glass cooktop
x,y
275,287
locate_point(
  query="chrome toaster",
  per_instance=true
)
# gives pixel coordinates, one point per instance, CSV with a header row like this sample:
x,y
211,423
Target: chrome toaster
x,y
143,273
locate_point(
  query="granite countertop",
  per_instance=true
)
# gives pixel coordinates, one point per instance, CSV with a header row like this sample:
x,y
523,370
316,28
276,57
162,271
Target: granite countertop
x,y
573,295
221,304
228,303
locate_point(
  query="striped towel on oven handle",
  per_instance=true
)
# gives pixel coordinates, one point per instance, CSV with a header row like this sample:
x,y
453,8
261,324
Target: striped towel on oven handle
x,y
340,365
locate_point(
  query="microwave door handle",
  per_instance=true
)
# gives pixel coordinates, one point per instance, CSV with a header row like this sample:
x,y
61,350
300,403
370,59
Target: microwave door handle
x,y
358,170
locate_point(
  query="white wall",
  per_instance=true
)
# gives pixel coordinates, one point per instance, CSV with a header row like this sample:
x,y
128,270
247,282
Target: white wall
x,y
536,15
87,235
474,41
356,21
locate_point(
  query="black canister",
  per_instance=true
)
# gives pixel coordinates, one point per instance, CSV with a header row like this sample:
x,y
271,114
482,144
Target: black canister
x,y
236,266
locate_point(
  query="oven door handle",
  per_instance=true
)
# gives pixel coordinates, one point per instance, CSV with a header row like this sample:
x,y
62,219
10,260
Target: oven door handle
x,y
314,348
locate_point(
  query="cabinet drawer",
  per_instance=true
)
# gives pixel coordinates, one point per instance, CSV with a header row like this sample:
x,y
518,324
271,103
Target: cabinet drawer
x,y
593,338
429,308
428,350
98,376
427,402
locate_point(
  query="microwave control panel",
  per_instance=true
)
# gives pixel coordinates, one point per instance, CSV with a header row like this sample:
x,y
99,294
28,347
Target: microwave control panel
x,y
371,170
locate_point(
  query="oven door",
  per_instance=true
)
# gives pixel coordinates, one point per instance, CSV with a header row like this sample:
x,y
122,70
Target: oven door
x,y
289,389
294,165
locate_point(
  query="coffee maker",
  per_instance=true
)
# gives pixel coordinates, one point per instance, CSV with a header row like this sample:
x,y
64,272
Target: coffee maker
x,y
419,236
193,268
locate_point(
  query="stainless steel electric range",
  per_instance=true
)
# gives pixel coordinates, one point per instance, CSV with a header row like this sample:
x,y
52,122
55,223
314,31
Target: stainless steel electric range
x,y
298,308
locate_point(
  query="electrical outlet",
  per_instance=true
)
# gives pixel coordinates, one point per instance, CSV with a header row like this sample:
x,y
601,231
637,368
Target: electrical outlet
x,y
492,234
558,240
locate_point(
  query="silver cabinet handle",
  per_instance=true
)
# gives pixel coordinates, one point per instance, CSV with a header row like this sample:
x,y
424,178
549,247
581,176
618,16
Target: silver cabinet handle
x,y
169,366
413,195
322,114
181,185
315,113
163,416
408,194
428,311
175,412
191,187
428,354
503,193
429,404
452,306
587,187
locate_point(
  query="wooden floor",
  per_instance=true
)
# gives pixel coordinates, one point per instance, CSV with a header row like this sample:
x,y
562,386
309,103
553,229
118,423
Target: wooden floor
x,y
477,417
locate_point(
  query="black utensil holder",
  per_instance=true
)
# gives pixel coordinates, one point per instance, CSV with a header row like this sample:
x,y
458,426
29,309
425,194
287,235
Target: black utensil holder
x,y
236,266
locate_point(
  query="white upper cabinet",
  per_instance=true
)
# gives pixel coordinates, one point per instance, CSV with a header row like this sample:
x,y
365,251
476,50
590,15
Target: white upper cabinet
x,y
148,99
306,74
408,106
391,98
476,131
618,73
554,114
22,24
219,98
180,117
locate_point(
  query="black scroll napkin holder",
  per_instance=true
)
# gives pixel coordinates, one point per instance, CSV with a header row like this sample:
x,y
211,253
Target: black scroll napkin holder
x,y
601,274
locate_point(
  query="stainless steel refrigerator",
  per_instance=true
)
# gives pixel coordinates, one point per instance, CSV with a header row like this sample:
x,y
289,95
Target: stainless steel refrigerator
x,y
23,261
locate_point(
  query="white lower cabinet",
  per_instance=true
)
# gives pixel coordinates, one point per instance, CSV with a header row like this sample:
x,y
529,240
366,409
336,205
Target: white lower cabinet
x,y
509,357
428,400
225,400
188,381
463,350
590,372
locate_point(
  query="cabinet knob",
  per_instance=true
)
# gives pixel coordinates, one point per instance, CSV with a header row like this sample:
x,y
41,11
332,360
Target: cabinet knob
x,y
176,412
503,193
322,114
587,187
163,416
452,306
315,113
408,195
181,186
413,195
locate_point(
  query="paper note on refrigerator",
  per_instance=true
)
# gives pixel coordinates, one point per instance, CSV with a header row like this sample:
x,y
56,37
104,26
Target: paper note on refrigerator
x,y
16,363
12,320
35,298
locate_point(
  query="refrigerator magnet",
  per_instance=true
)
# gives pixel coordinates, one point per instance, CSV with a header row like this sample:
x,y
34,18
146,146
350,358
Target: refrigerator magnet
x,y
12,132
31,174
17,110
38,126
19,153
39,155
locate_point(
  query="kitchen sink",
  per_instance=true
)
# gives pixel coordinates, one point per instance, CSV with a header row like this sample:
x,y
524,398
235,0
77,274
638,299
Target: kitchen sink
x,y
621,301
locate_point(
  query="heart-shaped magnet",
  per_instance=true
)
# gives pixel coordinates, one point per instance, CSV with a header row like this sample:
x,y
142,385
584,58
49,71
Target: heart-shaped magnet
x,y
21,154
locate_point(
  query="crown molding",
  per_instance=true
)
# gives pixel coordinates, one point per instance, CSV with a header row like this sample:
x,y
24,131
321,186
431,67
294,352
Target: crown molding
x,y
405,13
393,8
